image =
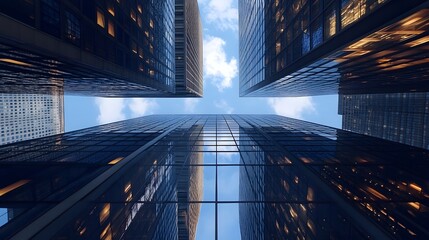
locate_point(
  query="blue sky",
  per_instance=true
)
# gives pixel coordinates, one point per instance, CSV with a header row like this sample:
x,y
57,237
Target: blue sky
x,y
220,23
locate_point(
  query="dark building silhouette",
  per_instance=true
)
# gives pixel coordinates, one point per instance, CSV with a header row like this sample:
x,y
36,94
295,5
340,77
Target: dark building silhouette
x,y
106,48
398,117
143,179
302,48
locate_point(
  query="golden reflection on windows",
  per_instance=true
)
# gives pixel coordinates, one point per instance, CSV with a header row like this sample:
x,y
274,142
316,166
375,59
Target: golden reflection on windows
x,y
111,10
13,61
111,28
100,18
106,234
127,187
115,161
104,213
13,186
331,24
351,11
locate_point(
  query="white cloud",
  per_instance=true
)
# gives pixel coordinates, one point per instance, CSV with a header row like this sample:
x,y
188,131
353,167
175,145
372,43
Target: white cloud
x,y
217,68
224,106
222,13
191,104
140,107
113,109
293,107
110,109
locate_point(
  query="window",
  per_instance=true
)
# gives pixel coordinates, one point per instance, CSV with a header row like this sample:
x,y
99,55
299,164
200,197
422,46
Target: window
x,y
72,27
100,18
111,10
50,12
330,21
351,10
111,28
133,15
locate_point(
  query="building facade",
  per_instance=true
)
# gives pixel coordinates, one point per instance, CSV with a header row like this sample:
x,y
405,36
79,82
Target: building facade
x,y
398,117
302,48
189,48
266,176
107,48
29,116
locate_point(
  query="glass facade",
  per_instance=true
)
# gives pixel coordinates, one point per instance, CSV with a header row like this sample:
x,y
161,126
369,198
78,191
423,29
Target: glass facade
x,y
189,49
29,116
213,177
398,117
105,48
331,46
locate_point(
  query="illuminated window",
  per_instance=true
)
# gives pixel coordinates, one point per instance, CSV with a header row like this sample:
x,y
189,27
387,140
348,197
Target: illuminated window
x,y
111,28
140,52
105,212
106,234
351,11
331,22
100,18
134,47
133,15
111,10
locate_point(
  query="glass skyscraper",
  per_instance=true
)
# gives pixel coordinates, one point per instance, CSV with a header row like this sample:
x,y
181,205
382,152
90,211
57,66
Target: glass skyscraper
x,y
231,176
302,48
399,117
106,48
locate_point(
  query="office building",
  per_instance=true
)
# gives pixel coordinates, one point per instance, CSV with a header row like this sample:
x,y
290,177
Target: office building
x,y
301,48
109,48
29,116
398,117
189,49
246,176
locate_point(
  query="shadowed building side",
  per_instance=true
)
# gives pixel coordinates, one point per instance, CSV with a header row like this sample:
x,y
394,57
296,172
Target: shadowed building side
x,y
398,117
101,48
302,48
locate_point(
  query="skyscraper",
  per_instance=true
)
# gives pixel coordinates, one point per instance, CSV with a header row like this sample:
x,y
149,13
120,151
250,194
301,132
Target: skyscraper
x,y
279,178
29,116
301,48
189,48
103,48
399,117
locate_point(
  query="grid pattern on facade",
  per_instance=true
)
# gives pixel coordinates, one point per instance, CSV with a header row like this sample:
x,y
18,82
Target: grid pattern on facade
x,y
399,117
28,116
308,28
189,49
267,176
87,43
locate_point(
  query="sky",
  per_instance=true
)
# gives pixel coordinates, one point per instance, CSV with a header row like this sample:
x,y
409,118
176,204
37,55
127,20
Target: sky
x,y
221,71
